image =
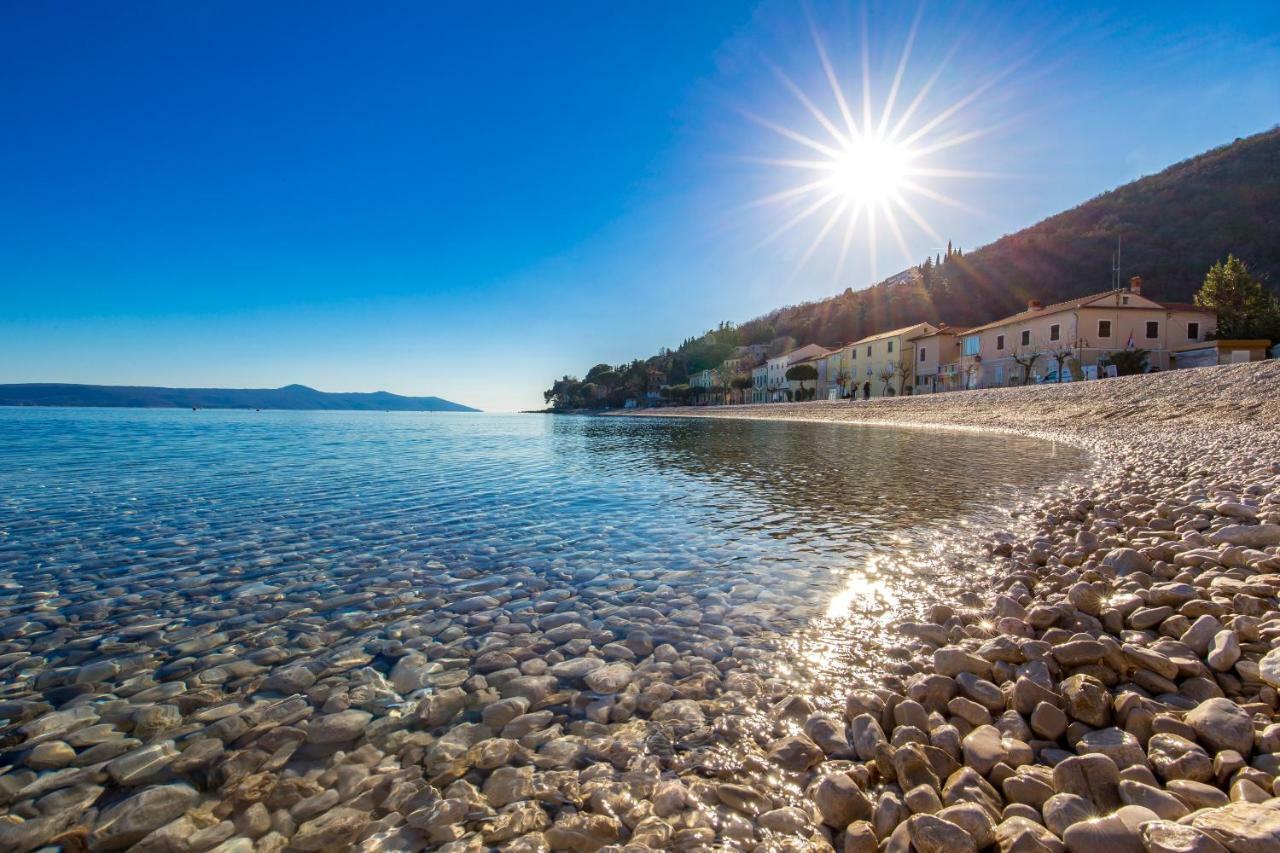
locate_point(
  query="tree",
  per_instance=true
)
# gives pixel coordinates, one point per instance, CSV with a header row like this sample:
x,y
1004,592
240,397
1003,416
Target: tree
x,y
1129,362
1026,358
885,374
741,383
1245,308
802,373
904,371
1060,353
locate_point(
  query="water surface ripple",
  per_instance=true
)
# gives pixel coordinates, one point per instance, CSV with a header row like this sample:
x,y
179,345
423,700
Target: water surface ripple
x,y
181,559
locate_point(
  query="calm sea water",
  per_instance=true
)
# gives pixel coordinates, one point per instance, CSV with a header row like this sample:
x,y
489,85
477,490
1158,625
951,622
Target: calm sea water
x,y
119,524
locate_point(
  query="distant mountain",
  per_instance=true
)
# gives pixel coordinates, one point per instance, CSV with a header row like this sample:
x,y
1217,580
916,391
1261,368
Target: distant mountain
x,y
288,397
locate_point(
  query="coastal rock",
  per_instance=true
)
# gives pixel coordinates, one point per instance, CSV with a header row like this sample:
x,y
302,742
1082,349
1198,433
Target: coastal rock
x,y
1222,724
128,822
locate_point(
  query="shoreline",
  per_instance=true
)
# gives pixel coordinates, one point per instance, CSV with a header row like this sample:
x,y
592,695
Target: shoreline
x,y
1110,694
557,707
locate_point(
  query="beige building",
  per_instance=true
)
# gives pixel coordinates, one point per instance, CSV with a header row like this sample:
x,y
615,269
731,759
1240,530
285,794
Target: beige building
x,y
1028,347
937,361
884,365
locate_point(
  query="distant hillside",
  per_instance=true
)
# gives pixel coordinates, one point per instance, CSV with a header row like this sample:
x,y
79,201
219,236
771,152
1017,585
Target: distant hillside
x,y
288,397
1174,226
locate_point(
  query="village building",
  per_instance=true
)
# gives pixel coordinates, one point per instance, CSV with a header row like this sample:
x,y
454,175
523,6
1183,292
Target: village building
x,y
1074,336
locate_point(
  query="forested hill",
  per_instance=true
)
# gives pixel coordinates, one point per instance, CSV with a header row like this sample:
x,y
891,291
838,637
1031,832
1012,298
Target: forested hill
x,y
288,397
1173,225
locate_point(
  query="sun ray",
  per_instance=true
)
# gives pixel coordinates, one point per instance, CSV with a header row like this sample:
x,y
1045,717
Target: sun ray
x,y
902,68
830,71
791,193
793,135
962,103
849,227
889,217
915,217
922,94
788,163
866,74
809,105
822,235
939,197
822,202
954,140
931,172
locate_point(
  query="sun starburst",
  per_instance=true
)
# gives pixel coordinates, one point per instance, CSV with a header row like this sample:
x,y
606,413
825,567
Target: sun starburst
x,y
868,171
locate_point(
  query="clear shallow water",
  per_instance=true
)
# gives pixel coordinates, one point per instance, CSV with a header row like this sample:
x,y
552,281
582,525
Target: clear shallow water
x,y
125,533
237,605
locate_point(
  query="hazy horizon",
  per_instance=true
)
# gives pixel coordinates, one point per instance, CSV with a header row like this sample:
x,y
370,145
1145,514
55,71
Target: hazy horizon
x,y
466,203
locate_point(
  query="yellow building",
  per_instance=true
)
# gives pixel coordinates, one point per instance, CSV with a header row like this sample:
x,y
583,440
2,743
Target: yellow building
x,y
884,365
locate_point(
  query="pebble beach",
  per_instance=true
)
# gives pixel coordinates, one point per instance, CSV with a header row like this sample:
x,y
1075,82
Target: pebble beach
x,y
1117,688
1100,676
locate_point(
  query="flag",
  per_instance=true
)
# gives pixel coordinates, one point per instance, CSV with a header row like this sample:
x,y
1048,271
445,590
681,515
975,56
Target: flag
x,y
1129,345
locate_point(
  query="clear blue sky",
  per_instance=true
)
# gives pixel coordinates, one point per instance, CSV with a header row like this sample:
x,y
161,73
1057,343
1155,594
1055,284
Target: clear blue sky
x,y
468,200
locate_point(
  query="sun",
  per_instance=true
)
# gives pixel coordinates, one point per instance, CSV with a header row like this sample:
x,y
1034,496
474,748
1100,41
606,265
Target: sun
x,y
870,171
867,165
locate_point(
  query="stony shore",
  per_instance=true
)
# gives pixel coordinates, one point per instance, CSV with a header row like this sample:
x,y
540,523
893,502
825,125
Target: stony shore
x,y
1119,689
1114,690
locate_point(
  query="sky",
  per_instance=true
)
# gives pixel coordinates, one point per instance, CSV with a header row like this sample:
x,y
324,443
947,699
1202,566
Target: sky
x,y
470,199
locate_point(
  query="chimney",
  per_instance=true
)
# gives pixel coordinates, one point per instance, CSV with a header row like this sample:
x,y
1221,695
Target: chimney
x,y
1135,285
1034,305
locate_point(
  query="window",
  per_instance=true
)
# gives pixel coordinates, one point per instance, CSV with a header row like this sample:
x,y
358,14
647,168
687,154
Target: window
x,y
999,342
971,345
890,346
1026,337
1124,300
1055,332
868,350
1104,328
1153,329
922,352
1193,331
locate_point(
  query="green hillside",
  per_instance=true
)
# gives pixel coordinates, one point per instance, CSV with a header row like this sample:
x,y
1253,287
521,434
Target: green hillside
x,y
1174,226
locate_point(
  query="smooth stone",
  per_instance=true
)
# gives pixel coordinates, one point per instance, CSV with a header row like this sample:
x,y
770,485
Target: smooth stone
x,y
128,822
1164,836
1242,827
1103,833
932,834
840,801
338,728
1222,724
1116,744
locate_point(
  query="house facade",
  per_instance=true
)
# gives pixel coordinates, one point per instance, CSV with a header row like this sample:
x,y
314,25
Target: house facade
x,y
1220,351
777,368
839,373
884,365
1031,346
760,384
819,385
937,361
